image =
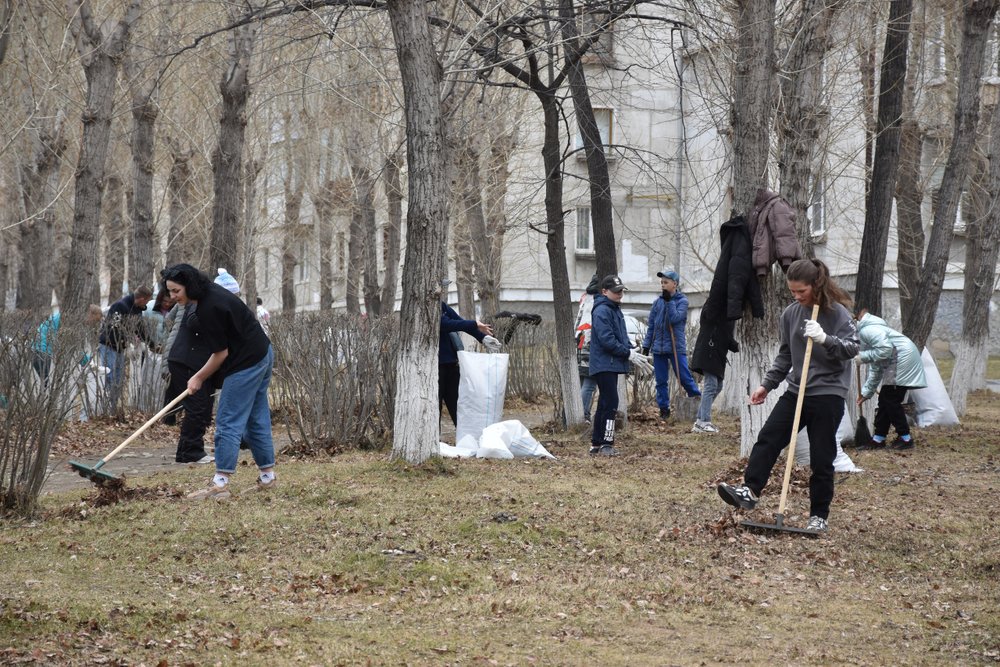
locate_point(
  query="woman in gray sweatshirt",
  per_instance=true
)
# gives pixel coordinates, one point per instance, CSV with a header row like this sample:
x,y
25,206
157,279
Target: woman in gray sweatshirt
x,y
835,343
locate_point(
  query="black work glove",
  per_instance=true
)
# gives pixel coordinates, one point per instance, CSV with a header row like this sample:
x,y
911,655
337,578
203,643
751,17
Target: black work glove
x,y
645,351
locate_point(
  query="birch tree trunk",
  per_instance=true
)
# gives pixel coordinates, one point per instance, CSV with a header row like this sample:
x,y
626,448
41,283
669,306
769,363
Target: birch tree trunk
x,y
179,201
601,212
753,86
227,160
248,282
416,414
977,21
982,248
289,248
394,225
465,276
114,233
555,245
39,184
800,123
324,230
100,53
878,204
364,183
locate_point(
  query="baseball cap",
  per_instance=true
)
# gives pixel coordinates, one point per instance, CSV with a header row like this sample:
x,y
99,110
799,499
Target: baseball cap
x,y
669,274
613,284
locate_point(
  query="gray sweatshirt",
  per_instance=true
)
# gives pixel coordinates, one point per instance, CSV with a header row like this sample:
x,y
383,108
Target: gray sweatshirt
x,y
829,367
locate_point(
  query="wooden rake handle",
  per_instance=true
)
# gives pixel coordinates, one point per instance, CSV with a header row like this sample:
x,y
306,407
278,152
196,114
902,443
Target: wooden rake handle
x,y
790,454
142,429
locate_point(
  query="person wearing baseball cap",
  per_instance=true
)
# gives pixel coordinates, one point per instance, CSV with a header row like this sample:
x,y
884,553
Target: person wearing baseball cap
x,y
610,355
666,339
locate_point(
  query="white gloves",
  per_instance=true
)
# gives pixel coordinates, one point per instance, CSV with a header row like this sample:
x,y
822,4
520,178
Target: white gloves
x,y
815,331
491,343
640,362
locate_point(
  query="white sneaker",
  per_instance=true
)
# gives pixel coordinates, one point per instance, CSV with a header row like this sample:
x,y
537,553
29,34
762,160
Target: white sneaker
x,y
704,427
205,459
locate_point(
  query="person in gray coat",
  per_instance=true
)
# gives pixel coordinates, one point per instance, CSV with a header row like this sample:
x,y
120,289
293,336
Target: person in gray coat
x,y
894,361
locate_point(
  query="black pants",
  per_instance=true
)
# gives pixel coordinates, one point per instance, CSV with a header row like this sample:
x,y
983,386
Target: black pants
x,y
607,407
448,379
890,410
197,414
821,417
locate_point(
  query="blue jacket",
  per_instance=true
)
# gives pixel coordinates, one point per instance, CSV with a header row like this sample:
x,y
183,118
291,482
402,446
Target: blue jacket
x,y
609,344
452,323
664,316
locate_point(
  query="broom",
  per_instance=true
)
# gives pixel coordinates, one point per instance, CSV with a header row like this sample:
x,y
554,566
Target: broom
x,y
862,435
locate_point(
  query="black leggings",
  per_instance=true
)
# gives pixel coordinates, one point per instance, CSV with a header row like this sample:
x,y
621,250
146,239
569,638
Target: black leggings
x,y
890,411
821,416
607,407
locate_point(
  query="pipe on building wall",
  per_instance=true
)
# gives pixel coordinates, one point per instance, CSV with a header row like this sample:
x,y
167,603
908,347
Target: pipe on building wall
x,y
681,144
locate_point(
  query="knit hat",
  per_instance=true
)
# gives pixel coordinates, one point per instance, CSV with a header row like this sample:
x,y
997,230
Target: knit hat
x,y
227,281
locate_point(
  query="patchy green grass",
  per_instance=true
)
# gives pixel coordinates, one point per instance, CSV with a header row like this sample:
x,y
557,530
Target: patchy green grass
x,y
947,365
632,561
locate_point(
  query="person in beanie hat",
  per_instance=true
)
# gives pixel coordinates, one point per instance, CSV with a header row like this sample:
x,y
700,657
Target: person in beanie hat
x,y
226,280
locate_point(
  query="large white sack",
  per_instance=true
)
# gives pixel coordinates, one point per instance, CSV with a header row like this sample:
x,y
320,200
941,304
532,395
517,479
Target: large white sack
x,y
517,438
448,452
492,446
932,402
480,392
843,462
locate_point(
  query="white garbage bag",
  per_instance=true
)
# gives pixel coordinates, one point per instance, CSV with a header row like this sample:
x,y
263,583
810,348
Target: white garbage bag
x,y
449,452
843,462
480,392
932,402
517,439
492,446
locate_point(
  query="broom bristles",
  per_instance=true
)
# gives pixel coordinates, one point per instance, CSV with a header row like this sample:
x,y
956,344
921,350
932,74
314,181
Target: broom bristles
x,y
862,435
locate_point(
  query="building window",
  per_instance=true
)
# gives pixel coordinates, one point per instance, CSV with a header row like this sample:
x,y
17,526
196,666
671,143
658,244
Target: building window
x,y
584,231
816,212
302,267
604,117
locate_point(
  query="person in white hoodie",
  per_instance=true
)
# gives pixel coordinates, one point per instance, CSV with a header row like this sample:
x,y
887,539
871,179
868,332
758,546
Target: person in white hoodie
x,y
894,361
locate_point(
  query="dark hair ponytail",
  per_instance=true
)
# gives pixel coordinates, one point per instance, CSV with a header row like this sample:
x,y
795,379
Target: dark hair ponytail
x,y
815,273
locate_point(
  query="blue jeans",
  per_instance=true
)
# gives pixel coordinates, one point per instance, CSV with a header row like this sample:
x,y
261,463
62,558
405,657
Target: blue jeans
x,y
243,409
115,380
587,387
662,363
710,388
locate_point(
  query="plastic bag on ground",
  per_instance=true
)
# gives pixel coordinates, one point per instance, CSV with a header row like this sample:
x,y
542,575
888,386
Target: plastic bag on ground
x,y
492,446
932,402
517,439
449,452
480,392
843,462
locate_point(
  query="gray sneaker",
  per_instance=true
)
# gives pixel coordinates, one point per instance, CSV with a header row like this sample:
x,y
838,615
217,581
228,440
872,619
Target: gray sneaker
x,y
817,524
738,496
704,427
607,450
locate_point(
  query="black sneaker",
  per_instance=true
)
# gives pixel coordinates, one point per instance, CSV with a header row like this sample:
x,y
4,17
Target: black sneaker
x,y
664,414
607,450
594,449
899,445
738,496
871,446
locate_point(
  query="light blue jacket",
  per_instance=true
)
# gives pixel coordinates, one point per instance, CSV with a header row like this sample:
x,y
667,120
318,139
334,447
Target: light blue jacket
x,y
893,358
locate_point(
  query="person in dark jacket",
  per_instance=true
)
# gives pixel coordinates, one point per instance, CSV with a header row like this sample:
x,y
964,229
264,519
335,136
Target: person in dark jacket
x,y
667,340
610,354
241,359
121,325
734,286
449,374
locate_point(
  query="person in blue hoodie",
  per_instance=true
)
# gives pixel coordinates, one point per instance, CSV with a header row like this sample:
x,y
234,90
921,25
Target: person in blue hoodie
x,y
610,354
666,339
895,363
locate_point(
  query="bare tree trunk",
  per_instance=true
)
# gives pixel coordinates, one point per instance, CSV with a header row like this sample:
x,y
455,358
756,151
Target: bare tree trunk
x,y
355,255
978,18
6,20
472,245
866,69
227,161
878,206
753,87
289,249
800,123
416,422
323,202
601,213
497,174
179,195
36,274
364,183
248,282
555,245
982,249
114,233
100,52
465,278
394,225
